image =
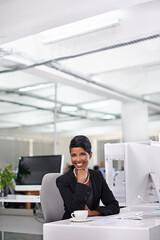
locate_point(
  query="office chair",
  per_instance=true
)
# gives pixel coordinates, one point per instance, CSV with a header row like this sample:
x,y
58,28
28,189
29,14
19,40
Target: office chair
x,y
51,201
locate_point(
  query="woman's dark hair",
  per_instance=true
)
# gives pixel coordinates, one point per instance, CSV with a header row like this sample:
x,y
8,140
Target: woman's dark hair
x,y
81,141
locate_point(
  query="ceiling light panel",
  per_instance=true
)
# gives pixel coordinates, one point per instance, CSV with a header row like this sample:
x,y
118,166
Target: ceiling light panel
x,y
108,117
35,87
69,108
82,27
110,106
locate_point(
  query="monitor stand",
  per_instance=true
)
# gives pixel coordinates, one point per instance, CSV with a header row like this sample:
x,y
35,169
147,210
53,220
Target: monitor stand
x,y
156,182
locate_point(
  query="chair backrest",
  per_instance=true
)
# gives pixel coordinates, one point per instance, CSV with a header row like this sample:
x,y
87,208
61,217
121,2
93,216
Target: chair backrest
x,y
51,201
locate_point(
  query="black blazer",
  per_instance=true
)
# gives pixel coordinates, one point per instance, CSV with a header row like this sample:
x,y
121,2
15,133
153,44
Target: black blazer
x,y
75,194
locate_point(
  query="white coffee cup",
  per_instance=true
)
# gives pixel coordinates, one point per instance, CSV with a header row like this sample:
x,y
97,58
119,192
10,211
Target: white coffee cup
x,y
80,214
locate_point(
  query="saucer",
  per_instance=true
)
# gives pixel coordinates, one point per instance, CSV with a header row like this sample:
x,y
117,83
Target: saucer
x,y
80,220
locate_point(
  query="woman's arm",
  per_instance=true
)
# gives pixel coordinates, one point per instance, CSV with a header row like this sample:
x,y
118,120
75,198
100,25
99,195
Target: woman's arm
x,y
92,212
111,205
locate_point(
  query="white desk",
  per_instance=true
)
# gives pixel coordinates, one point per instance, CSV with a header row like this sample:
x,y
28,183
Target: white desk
x,y
19,220
15,198
104,228
28,190
23,188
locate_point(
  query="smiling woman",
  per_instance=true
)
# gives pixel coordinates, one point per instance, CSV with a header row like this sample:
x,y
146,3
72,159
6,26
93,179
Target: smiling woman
x,y
82,188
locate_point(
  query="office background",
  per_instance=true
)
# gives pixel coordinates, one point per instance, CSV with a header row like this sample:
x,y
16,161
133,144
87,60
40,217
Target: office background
x,y
102,81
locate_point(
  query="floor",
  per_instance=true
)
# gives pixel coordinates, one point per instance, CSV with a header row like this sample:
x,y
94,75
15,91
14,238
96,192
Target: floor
x,y
20,236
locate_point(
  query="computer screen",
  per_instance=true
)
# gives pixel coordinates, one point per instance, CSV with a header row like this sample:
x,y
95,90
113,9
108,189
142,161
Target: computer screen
x,y
31,169
140,161
141,165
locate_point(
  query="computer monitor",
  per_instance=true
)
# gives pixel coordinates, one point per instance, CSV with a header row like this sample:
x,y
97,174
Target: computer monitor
x,y
140,180
31,170
142,162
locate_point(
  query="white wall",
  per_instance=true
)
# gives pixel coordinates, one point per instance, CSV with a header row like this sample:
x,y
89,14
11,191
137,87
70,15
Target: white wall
x,y
12,148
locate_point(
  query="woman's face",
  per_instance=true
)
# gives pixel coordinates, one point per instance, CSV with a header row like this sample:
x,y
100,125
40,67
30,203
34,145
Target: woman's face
x,y
80,158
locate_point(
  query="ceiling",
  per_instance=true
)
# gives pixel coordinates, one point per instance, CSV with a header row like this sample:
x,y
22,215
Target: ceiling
x,y
77,82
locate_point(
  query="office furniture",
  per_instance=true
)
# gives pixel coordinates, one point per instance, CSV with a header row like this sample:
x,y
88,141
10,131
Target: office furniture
x,y
51,201
19,198
28,190
30,193
19,220
104,228
15,198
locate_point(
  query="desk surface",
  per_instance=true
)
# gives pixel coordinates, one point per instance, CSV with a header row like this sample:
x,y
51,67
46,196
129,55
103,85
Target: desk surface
x,y
109,227
108,222
23,188
20,198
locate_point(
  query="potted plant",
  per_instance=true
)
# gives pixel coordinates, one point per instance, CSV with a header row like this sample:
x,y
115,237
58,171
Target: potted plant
x,y
6,178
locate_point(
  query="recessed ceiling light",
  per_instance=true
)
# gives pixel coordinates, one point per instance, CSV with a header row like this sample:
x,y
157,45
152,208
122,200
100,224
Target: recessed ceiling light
x,y
35,87
95,105
108,116
69,108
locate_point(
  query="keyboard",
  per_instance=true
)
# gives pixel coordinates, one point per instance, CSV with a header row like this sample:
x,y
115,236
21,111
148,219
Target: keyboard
x,y
145,207
134,215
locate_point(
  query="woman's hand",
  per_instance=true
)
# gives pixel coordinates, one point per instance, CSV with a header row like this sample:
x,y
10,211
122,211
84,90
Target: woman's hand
x,y
92,212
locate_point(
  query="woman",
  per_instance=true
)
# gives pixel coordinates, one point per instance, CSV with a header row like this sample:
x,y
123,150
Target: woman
x,y
83,188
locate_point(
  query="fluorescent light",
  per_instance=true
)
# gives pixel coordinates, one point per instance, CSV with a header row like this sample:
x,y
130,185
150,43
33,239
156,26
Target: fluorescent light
x,y
110,106
95,105
108,116
82,27
35,87
69,109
